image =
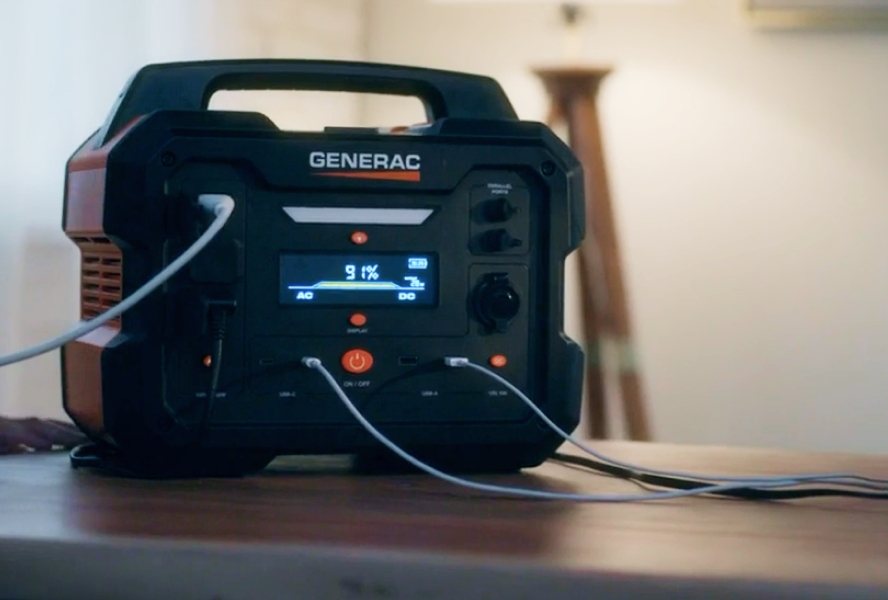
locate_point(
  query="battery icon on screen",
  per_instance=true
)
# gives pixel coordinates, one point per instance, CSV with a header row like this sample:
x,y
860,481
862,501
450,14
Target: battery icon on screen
x,y
417,263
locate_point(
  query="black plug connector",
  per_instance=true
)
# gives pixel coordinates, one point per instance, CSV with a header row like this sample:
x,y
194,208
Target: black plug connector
x,y
216,313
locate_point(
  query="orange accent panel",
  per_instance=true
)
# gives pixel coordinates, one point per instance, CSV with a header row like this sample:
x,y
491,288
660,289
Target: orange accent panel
x,y
83,379
85,193
385,175
86,201
89,158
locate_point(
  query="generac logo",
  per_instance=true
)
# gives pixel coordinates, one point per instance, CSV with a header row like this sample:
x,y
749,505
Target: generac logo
x,y
366,165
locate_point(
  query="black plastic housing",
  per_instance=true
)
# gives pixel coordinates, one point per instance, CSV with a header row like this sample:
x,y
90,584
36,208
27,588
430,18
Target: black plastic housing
x,y
168,149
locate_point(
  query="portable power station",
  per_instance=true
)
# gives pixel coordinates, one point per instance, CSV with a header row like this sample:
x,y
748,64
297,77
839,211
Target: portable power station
x,y
379,251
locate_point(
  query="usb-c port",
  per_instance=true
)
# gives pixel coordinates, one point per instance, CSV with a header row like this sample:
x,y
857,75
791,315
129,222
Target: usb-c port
x,y
407,361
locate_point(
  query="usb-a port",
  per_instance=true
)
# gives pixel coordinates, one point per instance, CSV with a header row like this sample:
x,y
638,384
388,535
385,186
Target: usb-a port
x,y
408,361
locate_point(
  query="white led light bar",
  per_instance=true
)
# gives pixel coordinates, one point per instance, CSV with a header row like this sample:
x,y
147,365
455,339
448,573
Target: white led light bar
x,y
358,216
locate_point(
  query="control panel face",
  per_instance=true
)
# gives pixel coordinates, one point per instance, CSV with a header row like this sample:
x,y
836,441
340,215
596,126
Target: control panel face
x,y
381,287
379,253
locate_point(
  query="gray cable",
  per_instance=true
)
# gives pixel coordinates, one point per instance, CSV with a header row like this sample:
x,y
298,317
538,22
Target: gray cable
x,y
220,205
315,363
836,478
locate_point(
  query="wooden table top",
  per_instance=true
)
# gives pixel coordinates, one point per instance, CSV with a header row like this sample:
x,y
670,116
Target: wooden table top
x,y
314,515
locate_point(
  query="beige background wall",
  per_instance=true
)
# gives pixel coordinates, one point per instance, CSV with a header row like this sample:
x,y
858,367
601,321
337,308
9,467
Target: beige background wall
x,y
750,175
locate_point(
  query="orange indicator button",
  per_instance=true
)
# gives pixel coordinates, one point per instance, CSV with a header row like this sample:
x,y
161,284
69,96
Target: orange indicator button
x,y
357,361
498,361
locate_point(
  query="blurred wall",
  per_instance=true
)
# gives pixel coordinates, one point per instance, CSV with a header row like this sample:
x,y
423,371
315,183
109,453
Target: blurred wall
x,y
751,189
62,63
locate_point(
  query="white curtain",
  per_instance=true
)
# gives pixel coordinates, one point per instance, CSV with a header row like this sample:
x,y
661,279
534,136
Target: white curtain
x,y
62,64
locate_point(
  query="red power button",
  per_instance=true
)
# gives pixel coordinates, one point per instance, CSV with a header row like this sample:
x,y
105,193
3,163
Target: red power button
x,y
357,361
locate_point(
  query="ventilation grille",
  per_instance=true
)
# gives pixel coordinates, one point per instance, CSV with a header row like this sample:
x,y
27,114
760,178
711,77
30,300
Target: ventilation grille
x,y
100,277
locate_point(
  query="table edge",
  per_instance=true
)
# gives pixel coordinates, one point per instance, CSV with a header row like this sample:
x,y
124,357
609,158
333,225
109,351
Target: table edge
x,y
137,568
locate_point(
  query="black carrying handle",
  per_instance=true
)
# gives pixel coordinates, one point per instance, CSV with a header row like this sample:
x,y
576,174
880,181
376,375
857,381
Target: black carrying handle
x,y
189,86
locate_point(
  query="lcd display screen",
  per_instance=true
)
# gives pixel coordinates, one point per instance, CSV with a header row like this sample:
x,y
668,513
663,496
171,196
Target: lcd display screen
x,y
358,279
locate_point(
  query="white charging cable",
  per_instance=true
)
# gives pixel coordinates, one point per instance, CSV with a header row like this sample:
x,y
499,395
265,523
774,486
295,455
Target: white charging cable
x,y
219,205
316,364
863,482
